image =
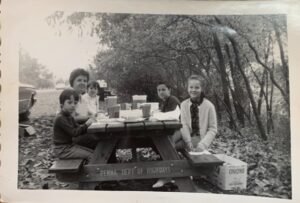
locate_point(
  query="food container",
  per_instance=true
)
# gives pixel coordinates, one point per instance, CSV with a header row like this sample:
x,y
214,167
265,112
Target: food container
x,y
137,100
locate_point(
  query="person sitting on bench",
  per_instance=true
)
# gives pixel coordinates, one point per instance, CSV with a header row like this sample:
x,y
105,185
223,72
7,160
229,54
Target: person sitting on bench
x,y
66,128
167,103
198,119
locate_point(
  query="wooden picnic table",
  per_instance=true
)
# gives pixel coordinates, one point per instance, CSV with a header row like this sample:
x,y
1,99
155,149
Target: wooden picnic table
x,y
155,134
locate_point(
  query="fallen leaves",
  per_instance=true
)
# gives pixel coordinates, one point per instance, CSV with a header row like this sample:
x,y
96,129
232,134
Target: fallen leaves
x,y
269,170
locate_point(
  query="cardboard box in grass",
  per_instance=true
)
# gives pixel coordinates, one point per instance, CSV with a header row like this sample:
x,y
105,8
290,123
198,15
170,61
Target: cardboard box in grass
x,y
231,175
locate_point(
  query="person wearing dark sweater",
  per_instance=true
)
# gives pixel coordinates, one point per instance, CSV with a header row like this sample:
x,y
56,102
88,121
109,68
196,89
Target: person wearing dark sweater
x,y
66,128
167,101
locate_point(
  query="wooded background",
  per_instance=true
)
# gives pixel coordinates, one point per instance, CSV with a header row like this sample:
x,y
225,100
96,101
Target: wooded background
x,y
242,58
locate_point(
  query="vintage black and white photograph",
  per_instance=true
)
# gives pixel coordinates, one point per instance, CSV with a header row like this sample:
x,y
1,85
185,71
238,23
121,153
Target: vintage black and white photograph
x,y
155,102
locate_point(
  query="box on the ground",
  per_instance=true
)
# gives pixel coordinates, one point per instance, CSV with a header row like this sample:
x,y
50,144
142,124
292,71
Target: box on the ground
x,y
26,130
231,175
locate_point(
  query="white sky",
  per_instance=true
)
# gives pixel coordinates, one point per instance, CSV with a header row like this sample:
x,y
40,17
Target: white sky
x,y
60,54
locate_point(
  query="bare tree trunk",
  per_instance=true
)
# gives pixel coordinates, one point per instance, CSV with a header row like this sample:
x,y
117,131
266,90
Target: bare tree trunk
x,y
282,91
223,74
217,106
261,92
264,78
270,123
282,57
238,91
249,90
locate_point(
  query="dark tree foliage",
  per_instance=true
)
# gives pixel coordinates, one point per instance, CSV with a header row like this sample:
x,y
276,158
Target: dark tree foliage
x,y
242,59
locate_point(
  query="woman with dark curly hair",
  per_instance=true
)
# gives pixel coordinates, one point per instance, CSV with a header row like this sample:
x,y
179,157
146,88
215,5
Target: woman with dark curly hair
x,y
78,81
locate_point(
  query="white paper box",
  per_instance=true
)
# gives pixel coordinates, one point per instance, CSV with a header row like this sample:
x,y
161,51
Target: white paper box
x,y
231,175
131,114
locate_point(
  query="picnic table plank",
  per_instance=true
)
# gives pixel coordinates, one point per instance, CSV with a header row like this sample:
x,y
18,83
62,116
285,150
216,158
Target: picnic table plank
x,y
204,159
140,170
134,126
115,127
138,142
97,127
172,124
154,125
66,165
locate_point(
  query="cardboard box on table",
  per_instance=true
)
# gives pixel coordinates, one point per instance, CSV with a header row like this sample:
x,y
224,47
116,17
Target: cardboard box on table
x,y
231,175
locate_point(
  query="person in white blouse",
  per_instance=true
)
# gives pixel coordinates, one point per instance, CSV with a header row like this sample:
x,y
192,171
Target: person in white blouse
x,y
91,98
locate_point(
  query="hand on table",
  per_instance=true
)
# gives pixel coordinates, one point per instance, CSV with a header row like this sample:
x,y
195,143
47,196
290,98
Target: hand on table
x,y
200,147
189,146
90,121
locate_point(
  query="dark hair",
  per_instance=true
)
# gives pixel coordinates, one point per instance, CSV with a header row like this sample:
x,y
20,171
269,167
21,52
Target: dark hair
x,y
94,84
164,83
77,72
66,94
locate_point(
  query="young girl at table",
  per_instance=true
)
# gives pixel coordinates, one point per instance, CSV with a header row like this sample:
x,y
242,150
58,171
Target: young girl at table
x,y
198,118
66,128
91,98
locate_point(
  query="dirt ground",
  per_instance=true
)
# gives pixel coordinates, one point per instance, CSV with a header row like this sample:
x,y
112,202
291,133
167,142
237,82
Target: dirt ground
x,y
269,172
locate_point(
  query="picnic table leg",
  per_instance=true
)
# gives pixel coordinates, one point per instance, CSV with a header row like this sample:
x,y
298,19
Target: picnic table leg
x,y
101,155
168,152
103,151
134,154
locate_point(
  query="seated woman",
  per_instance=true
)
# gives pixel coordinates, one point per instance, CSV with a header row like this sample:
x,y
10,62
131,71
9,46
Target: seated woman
x,y
78,81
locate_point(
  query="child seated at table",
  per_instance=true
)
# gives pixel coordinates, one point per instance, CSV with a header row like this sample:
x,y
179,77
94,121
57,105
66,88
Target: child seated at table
x,y
169,105
198,119
91,98
65,129
167,102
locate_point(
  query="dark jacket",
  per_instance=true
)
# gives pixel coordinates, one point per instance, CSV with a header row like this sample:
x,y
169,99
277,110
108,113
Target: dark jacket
x,y
65,127
169,104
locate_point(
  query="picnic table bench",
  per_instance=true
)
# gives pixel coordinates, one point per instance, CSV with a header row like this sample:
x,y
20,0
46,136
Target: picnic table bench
x,y
155,134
